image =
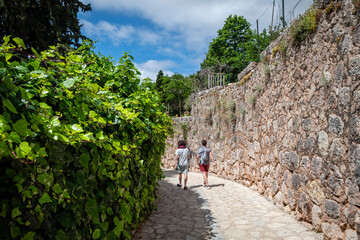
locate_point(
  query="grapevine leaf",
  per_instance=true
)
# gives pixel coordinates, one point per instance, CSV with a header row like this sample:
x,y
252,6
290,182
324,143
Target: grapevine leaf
x,y
9,106
19,42
96,234
15,213
45,198
29,236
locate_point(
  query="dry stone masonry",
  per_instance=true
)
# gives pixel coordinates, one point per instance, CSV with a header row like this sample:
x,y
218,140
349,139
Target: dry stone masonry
x,y
290,128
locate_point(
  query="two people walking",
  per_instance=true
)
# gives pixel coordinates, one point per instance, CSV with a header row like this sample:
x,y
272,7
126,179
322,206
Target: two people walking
x,y
203,159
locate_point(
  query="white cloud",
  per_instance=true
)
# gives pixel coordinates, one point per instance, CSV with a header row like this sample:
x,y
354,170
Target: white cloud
x,y
148,37
118,33
151,68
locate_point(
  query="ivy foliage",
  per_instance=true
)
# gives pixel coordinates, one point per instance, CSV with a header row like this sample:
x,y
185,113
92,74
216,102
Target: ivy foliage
x,y
80,145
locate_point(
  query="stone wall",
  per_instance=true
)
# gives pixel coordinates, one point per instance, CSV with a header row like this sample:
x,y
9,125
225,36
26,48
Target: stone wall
x,y
290,128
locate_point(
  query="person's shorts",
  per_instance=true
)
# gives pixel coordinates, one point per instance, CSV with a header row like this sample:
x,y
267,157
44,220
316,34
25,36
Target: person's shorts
x,y
204,168
183,169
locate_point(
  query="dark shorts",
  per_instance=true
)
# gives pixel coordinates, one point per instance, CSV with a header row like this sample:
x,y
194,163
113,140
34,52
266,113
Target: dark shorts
x,y
204,168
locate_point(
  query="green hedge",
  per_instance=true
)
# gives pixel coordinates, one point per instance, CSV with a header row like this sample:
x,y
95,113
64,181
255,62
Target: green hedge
x,y
80,144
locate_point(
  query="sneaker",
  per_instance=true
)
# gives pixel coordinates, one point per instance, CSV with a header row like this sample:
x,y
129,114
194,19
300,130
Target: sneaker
x,y
179,185
185,188
204,184
208,187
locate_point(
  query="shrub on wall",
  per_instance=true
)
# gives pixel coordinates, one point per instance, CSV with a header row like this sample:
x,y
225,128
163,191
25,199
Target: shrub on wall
x,y
305,25
80,145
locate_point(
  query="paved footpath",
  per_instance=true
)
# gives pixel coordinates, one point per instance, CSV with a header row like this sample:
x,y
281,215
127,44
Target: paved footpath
x,y
228,211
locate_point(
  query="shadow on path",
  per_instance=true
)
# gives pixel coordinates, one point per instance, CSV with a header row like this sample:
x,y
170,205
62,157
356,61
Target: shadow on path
x,y
181,214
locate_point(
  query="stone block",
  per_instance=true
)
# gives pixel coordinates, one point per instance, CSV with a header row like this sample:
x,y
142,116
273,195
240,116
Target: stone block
x,y
316,166
355,127
336,125
337,149
323,141
350,235
352,191
296,181
314,189
307,124
335,185
357,223
291,160
332,231
309,144
316,218
350,214
332,208
305,164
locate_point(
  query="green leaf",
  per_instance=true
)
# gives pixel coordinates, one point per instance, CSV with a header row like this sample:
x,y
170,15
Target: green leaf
x,y
19,42
4,209
91,208
44,105
35,52
105,226
57,189
77,128
8,56
29,236
15,231
46,179
118,230
60,235
42,152
21,127
69,83
25,149
55,121
15,213
45,199
6,40
15,137
109,211
9,105
84,160
96,234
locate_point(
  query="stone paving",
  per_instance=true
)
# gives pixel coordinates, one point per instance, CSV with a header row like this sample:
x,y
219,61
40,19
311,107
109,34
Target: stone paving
x,y
228,211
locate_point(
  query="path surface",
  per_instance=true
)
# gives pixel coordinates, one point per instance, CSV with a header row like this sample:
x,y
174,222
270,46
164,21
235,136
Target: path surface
x,y
228,211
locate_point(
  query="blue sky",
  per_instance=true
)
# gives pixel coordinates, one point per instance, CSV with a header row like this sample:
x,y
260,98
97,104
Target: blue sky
x,y
171,35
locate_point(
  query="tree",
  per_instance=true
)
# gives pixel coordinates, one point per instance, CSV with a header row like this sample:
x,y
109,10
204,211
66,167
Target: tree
x,y
158,81
234,47
42,23
175,90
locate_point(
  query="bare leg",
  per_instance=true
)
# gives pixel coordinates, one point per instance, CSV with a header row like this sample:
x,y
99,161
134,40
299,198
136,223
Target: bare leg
x,y
207,178
185,179
180,177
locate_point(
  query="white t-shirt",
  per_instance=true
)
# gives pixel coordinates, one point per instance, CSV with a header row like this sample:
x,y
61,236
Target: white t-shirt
x,y
183,154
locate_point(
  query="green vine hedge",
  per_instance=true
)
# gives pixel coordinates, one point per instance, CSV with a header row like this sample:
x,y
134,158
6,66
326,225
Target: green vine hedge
x,y
80,144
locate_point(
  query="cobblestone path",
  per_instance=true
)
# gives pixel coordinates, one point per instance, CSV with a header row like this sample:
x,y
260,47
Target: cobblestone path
x,y
228,211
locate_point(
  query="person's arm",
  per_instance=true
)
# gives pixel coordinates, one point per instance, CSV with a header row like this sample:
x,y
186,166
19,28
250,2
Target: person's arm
x,y
211,156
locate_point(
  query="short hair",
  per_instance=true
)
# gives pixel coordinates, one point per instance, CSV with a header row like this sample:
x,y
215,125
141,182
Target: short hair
x,y
181,142
204,142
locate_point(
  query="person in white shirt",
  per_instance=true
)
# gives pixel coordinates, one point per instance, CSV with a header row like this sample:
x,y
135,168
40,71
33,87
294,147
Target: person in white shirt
x,y
182,158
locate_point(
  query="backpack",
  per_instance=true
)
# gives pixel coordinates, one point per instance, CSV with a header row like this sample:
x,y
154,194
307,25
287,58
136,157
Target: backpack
x,y
204,156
